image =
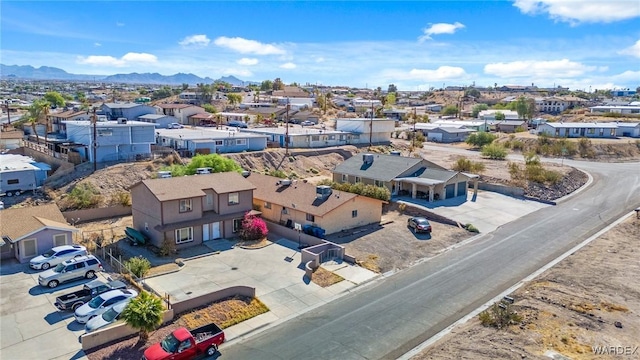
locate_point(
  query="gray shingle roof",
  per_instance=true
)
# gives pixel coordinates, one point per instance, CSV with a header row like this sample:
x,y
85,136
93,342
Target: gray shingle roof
x,y
18,222
384,167
192,186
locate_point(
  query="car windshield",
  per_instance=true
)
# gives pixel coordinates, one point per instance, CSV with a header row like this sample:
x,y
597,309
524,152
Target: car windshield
x,y
422,221
109,315
59,268
49,254
170,344
96,302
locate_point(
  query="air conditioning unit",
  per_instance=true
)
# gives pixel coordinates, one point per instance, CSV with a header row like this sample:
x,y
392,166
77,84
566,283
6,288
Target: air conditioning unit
x,y
285,182
122,120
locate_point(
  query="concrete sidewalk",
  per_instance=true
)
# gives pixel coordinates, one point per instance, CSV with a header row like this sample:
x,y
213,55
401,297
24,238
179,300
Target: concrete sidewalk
x,y
274,271
488,211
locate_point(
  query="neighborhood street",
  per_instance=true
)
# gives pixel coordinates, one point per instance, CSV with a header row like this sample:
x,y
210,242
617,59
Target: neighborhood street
x,y
394,314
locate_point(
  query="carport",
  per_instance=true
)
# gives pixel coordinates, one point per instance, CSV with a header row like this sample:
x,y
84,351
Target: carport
x,y
437,184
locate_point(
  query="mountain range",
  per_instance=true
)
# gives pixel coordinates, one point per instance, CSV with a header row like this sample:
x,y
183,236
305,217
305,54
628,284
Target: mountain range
x,y
52,73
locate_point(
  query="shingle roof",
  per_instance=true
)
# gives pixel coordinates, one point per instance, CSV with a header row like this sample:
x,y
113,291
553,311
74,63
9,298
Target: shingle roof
x,y
384,167
437,174
121,105
192,186
18,222
174,106
302,194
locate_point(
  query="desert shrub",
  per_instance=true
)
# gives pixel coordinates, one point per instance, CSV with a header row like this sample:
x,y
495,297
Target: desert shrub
x,y
514,171
520,129
585,148
531,157
466,165
517,145
84,196
402,207
499,316
314,171
138,265
253,228
167,247
376,192
278,173
479,139
471,228
121,198
494,151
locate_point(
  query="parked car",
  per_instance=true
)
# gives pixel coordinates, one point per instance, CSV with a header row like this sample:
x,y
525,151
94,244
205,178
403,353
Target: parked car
x,y
184,344
74,300
419,224
108,317
238,124
307,123
57,255
83,266
175,126
99,304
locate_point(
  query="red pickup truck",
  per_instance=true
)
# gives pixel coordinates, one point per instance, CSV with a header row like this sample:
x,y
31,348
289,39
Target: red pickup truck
x,y
183,344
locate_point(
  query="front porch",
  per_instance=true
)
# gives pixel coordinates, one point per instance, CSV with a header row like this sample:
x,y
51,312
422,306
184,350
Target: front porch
x,y
431,189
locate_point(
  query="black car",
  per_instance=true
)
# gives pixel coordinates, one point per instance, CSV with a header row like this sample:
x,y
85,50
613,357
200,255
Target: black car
x,y
419,224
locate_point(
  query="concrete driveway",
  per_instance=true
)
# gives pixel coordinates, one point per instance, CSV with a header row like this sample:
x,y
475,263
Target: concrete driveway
x,y
31,326
487,212
274,271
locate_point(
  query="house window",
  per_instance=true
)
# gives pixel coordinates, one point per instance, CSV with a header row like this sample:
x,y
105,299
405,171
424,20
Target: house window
x,y
345,178
241,141
185,205
184,235
237,225
219,142
315,138
311,218
557,132
358,179
591,131
613,132
29,247
378,183
267,205
332,137
209,199
354,213
234,198
285,211
59,240
12,181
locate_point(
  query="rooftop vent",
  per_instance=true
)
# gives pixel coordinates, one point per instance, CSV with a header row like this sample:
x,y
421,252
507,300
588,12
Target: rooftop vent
x,y
246,173
323,191
395,153
164,174
284,182
367,158
204,170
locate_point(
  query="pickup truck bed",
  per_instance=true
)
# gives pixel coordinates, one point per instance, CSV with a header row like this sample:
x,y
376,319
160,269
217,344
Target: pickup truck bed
x,y
90,290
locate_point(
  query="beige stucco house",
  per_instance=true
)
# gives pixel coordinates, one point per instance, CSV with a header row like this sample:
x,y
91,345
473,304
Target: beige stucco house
x,y
189,210
290,202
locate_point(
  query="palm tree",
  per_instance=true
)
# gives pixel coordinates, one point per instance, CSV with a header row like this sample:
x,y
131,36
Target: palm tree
x,y
144,313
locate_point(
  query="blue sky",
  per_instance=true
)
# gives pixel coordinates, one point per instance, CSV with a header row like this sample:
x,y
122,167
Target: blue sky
x,y
415,45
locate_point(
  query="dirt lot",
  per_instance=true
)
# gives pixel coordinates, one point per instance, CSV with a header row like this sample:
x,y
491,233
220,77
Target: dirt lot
x,y
569,309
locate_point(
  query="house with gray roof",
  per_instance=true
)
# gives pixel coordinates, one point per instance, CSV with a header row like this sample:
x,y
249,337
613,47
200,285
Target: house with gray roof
x,y
190,210
204,140
403,176
160,121
574,130
129,111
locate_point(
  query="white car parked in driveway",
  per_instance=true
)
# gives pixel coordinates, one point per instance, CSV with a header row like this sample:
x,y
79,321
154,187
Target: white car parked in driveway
x,y
101,303
56,256
110,316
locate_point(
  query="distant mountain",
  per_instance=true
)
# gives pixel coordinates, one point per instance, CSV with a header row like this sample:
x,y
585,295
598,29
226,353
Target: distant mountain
x,y
51,73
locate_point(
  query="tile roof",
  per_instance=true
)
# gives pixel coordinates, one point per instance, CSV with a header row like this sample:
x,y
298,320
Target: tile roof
x,y
18,222
302,194
192,186
384,167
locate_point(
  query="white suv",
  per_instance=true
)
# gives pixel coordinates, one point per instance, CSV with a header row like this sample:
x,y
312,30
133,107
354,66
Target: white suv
x,y
83,266
57,255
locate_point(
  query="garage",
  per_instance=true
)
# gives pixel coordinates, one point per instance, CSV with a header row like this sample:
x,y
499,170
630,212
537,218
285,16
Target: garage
x,y
462,188
450,191
434,136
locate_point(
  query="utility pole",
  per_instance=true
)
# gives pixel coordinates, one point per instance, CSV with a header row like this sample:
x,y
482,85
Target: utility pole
x,y
94,144
415,120
286,136
6,104
371,126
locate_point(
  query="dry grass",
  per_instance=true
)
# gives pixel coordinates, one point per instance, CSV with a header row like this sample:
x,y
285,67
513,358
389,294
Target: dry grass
x,y
254,244
370,263
225,313
607,306
325,277
161,269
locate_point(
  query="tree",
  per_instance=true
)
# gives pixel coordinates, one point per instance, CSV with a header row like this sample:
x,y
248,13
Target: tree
x,y
144,313
392,88
500,115
234,99
185,86
161,93
253,228
205,93
477,108
54,98
390,99
266,85
480,139
278,84
34,114
473,92
522,107
210,108
450,110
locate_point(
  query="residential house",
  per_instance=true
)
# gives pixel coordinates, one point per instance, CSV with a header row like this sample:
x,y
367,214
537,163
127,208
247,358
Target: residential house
x,y
114,140
290,92
203,119
511,126
179,111
476,125
375,131
306,137
21,173
160,121
209,140
491,114
618,109
129,111
436,108
273,113
574,130
56,120
290,202
443,134
29,231
558,104
300,116
629,129
11,139
362,105
296,103
189,210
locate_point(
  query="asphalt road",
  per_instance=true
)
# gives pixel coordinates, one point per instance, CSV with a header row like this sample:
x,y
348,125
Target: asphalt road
x,y
393,315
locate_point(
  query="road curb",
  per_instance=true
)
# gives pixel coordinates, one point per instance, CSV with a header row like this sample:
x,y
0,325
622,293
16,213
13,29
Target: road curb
x,y
432,340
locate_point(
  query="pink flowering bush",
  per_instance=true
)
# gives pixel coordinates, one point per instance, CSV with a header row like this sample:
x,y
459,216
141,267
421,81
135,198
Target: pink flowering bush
x,y
253,228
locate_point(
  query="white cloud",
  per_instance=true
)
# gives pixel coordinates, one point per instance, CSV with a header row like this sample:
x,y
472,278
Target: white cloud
x,y
119,24
126,60
534,68
195,40
245,46
288,65
633,50
319,59
236,72
574,12
247,61
440,28
97,44
426,75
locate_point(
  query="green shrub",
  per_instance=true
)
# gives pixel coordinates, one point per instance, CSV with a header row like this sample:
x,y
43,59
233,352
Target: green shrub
x,y
499,316
471,228
84,196
122,198
517,145
494,151
585,148
278,173
466,165
138,265
479,139
376,192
